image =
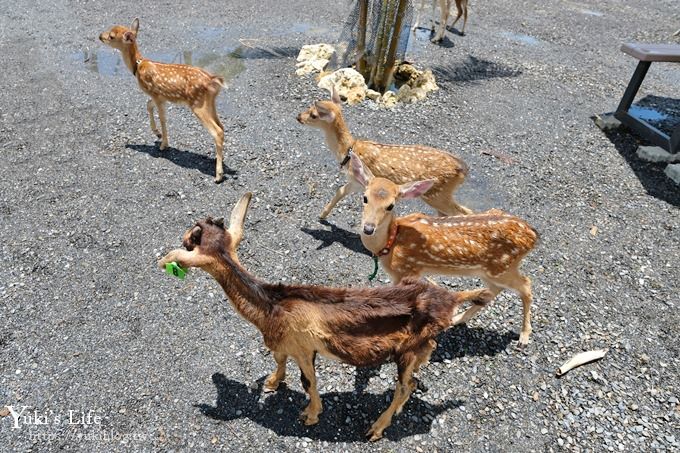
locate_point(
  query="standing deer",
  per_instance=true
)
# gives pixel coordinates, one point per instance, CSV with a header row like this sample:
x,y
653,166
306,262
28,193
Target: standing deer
x,y
398,163
177,83
445,10
358,326
489,245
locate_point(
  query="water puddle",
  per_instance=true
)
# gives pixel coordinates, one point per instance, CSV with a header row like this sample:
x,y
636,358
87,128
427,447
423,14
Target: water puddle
x,y
647,113
109,63
590,12
521,38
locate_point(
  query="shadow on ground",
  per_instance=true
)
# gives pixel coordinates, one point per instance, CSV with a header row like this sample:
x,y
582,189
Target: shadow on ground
x,y
473,69
347,239
458,341
264,53
185,159
650,174
279,411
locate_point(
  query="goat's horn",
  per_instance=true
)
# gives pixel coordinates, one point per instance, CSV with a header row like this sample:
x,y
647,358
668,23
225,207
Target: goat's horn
x,y
238,215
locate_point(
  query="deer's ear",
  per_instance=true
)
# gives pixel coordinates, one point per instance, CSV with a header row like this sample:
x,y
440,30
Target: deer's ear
x,y
335,97
128,37
361,173
415,189
135,25
325,113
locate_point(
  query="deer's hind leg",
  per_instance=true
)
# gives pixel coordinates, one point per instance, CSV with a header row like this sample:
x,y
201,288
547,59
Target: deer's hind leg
x,y
207,114
444,202
520,284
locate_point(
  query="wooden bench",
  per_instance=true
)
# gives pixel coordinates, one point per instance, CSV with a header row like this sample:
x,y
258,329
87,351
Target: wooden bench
x,y
646,54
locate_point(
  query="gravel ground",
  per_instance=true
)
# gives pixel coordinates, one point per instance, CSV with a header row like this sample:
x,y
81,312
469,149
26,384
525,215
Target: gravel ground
x,y
88,324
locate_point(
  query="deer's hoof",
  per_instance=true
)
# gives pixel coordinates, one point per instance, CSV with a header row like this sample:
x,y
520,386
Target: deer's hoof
x,y
374,434
309,419
163,146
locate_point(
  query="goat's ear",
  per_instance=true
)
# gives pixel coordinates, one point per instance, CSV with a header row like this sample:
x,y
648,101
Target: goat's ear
x,y
135,26
219,222
192,238
335,97
415,189
128,37
238,215
361,173
325,114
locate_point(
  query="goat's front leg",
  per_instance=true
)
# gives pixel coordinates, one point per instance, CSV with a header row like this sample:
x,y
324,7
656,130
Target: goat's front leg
x,y
185,259
405,385
274,379
310,416
149,108
341,193
160,105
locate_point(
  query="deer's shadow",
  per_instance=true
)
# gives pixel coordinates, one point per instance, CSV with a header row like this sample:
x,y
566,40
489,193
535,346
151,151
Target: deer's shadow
x,y
345,418
184,159
347,239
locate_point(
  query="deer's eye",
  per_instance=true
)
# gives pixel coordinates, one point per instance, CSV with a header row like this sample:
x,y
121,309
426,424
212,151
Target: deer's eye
x,y
390,207
365,199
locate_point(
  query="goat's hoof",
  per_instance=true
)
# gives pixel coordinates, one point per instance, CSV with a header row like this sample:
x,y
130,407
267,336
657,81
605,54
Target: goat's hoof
x,y
420,386
308,419
270,386
374,434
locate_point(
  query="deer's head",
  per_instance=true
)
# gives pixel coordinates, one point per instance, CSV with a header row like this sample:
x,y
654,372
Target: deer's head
x,y
381,195
322,113
120,37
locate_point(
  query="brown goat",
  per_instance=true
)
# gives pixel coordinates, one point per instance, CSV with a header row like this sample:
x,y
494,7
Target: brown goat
x,y
358,326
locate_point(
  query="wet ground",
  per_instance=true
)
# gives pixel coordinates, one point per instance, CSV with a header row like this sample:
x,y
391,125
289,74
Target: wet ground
x,y
90,327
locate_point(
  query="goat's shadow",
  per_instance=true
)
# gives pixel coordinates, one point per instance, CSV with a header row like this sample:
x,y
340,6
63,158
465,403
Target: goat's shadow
x,y
650,174
473,69
347,239
279,411
458,341
185,159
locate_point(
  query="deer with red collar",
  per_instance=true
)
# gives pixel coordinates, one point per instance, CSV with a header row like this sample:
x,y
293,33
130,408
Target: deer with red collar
x,y
398,163
489,245
177,83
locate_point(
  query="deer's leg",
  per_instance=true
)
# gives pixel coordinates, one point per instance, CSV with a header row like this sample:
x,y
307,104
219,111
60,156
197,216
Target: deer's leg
x,y
310,416
208,117
160,105
420,11
445,204
459,7
149,108
442,23
274,379
465,11
341,193
487,295
405,385
517,282
434,9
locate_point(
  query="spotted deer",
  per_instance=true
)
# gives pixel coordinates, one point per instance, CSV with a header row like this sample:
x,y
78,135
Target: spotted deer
x,y
177,83
489,245
358,326
398,163
445,10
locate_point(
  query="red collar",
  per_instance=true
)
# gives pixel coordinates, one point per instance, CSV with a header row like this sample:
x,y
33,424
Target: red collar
x,y
390,240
